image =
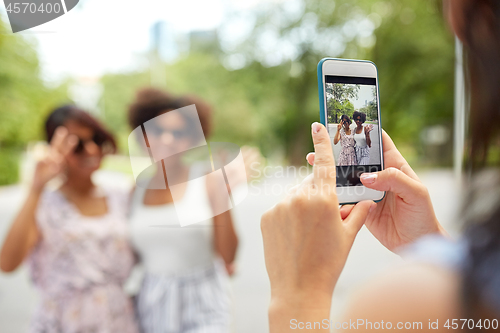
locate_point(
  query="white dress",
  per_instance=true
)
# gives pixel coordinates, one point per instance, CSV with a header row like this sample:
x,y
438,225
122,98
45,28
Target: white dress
x,y
362,149
186,286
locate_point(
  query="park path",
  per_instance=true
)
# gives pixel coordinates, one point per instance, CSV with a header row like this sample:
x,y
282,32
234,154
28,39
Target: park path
x,y
250,286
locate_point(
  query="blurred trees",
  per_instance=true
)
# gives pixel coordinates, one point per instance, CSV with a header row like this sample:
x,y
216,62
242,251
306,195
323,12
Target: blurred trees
x,y
260,76
407,39
263,85
337,100
24,99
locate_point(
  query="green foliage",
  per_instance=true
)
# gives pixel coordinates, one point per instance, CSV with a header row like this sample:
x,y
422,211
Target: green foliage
x,y
338,104
9,166
272,99
410,43
24,99
370,110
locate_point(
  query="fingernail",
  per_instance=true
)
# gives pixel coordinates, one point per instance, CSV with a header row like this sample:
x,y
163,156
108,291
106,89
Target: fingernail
x,y
316,127
372,207
368,178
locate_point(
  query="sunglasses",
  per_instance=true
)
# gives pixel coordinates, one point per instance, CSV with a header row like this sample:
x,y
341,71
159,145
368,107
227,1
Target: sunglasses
x,y
158,131
357,119
80,146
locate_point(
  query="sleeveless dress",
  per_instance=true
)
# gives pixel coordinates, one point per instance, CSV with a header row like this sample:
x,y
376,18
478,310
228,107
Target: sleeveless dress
x,y
347,154
79,266
362,149
185,287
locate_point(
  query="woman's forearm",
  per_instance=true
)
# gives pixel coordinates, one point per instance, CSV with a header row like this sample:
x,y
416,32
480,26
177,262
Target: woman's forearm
x,y
225,238
368,140
336,138
23,234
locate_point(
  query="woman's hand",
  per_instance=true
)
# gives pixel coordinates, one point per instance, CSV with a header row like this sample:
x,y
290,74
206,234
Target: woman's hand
x,y
368,129
406,212
306,242
23,234
54,161
339,126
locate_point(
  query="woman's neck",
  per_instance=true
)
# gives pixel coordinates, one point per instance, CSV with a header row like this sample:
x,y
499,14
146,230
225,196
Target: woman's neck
x,y
79,184
176,173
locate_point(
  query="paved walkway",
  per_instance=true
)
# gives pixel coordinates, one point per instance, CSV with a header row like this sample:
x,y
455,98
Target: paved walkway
x,y
250,285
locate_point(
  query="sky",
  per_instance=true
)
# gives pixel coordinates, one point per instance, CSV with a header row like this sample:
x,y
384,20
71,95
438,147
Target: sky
x,y
365,94
100,36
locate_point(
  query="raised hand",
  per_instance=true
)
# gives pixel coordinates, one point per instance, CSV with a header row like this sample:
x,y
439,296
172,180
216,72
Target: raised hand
x,y
52,164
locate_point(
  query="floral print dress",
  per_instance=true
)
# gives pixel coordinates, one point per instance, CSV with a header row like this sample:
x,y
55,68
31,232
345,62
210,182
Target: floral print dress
x,y
79,266
347,154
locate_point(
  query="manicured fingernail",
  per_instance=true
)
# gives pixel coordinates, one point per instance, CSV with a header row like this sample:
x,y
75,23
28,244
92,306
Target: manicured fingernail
x,y
316,127
368,178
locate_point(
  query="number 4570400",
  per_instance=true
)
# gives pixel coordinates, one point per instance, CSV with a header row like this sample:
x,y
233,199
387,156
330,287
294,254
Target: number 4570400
x,y
31,7
471,323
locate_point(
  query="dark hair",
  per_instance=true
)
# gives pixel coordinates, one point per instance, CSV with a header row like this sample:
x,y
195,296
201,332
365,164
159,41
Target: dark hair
x,y
344,116
357,114
63,114
481,272
151,102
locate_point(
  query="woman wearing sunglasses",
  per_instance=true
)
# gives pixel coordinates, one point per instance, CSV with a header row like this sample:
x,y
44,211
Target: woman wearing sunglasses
x,y
74,238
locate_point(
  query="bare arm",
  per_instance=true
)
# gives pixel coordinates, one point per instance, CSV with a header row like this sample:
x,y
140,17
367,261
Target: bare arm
x,y
24,234
367,135
225,238
336,139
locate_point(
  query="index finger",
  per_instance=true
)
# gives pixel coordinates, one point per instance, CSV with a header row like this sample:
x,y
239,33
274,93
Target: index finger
x,y
324,163
60,134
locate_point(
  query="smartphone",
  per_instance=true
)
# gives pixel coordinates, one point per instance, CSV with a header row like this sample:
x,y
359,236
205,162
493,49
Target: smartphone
x,y
350,110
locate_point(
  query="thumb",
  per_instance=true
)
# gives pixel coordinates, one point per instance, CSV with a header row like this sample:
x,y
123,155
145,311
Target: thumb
x,y
358,215
396,181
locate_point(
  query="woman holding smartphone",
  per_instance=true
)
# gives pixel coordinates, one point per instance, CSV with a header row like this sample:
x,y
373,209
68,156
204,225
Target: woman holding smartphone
x,y
449,280
345,135
362,138
74,238
185,288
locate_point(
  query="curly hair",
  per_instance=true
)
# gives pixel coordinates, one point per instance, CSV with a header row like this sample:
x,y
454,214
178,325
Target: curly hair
x,y
357,114
151,102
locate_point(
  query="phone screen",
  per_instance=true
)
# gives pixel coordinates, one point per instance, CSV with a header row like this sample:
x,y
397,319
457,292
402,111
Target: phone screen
x,y
352,119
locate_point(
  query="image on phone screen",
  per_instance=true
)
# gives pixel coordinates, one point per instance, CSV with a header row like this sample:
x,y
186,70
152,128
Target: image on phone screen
x,y
353,126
